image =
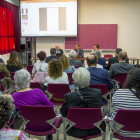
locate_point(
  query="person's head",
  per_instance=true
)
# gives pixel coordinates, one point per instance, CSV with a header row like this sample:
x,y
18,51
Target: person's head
x,y
55,68
81,77
98,53
122,56
133,81
92,60
41,55
65,62
6,109
118,50
72,54
96,47
52,51
57,47
13,59
77,46
22,78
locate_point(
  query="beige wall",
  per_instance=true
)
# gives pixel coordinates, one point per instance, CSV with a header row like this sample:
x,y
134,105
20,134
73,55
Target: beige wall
x,y
125,13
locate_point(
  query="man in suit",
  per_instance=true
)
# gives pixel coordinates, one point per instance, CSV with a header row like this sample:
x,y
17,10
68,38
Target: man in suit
x,y
1,60
98,76
115,59
79,51
72,60
121,67
53,55
59,51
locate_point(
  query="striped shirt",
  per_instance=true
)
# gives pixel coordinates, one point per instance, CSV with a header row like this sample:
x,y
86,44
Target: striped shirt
x,y
125,99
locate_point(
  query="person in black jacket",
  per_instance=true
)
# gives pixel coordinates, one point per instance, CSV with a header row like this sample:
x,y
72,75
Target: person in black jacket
x,y
115,59
59,51
92,97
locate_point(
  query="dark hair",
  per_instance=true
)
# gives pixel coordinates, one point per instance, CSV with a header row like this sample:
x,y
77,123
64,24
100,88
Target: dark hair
x,y
6,109
92,61
133,81
97,45
77,45
52,51
123,55
13,60
41,55
118,50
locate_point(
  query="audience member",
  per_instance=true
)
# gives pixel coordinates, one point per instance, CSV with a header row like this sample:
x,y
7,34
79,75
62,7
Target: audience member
x,y
41,66
6,109
113,60
95,48
28,96
121,67
128,98
1,60
98,76
72,60
59,51
53,55
101,61
13,64
92,97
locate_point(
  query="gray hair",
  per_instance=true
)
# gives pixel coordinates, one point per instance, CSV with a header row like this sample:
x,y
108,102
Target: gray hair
x,y
22,78
81,77
98,53
72,54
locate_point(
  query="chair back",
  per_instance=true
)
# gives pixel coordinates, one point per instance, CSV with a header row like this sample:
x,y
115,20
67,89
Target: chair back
x,y
38,115
70,78
128,118
29,68
77,67
12,75
40,77
84,117
121,78
102,87
1,76
2,87
35,85
108,55
58,90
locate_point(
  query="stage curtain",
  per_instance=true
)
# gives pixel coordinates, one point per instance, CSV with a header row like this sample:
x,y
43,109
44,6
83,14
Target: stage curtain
x,y
9,27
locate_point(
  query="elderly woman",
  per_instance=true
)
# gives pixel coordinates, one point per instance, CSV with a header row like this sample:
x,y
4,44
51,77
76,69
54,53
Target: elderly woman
x,y
13,64
128,98
41,66
28,96
92,97
6,109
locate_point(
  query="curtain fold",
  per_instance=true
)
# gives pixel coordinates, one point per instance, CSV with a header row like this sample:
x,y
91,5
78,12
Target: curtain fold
x,y
9,27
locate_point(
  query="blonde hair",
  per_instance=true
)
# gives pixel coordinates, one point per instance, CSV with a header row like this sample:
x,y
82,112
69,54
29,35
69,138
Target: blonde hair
x,y
65,62
13,60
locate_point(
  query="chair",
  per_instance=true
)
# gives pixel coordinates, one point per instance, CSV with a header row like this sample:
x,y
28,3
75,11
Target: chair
x,y
108,55
70,78
88,120
121,78
40,116
77,67
40,77
35,85
58,91
12,75
29,68
127,120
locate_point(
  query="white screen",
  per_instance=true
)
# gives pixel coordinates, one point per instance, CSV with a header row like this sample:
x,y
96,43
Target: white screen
x,y
48,17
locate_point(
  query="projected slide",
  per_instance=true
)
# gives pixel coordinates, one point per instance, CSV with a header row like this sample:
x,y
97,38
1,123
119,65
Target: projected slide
x,y
48,17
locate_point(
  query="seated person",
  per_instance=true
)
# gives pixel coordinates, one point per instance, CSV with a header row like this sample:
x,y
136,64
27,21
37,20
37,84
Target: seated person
x,y
41,66
92,97
95,48
53,55
13,64
79,51
72,60
28,96
1,60
115,59
59,51
121,67
7,107
101,61
98,76
128,98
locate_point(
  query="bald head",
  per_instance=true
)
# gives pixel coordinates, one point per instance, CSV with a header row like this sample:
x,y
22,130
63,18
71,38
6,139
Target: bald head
x,y
92,60
122,56
57,47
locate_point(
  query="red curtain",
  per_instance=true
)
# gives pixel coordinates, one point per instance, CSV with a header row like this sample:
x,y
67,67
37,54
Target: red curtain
x,y
9,27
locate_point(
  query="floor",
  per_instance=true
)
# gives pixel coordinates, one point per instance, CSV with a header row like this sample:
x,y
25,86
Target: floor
x,y
61,137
